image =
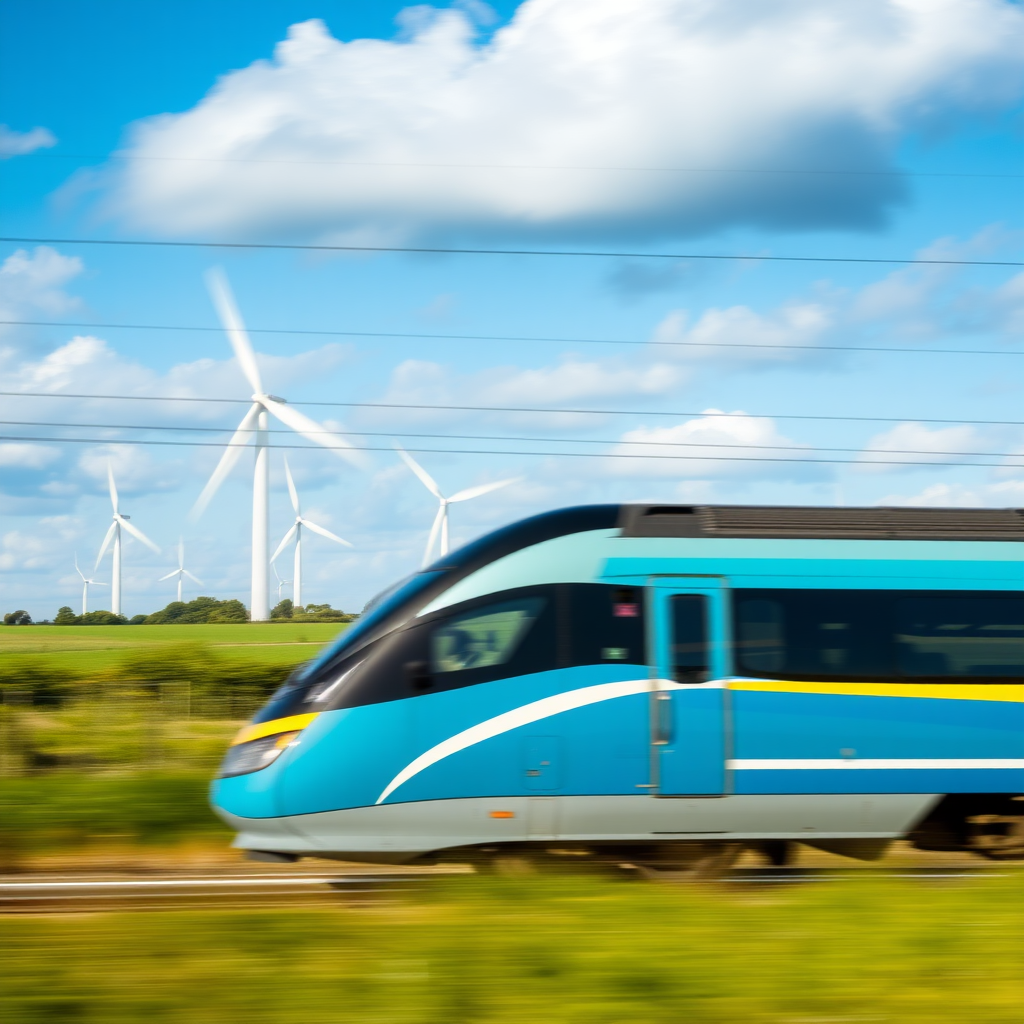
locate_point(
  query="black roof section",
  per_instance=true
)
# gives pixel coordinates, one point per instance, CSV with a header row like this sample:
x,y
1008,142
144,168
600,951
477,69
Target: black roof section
x,y
822,522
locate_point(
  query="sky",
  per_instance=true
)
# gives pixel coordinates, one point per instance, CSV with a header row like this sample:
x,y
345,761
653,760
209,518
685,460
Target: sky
x,y
657,135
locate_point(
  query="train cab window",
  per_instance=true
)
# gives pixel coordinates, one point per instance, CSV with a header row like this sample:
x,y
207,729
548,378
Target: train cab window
x,y
690,660
960,636
483,638
603,624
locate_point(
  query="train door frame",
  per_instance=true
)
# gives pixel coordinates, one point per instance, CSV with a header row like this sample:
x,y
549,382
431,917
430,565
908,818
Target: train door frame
x,y
689,720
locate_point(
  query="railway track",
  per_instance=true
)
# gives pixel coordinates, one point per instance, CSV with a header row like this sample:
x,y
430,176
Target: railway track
x,y
80,894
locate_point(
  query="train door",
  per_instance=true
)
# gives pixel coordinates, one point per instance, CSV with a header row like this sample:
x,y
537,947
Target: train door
x,y
688,647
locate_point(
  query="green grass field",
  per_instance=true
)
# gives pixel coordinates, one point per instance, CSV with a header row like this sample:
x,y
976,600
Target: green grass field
x,y
89,649
558,951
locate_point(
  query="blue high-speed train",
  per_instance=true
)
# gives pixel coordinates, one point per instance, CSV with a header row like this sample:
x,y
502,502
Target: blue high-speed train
x,y
649,683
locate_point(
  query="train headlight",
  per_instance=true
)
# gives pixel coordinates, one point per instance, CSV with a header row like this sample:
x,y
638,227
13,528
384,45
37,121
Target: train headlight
x,y
254,755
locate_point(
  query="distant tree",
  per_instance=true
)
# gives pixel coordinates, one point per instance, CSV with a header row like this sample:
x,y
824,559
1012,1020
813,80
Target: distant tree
x,y
65,617
137,620
101,618
283,609
321,613
202,609
18,618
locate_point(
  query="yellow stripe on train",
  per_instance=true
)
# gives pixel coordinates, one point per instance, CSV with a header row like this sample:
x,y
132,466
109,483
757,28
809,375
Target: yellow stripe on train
x,y
1013,692
294,723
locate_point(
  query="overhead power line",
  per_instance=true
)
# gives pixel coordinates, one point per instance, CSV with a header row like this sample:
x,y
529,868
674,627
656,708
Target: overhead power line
x,y
845,172
539,410
481,451
296,247
516,338
342,434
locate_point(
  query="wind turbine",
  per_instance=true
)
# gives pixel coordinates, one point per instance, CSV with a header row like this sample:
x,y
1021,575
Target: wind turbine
x,y
181,571
253,429
114,534
441,519
281,584
296,532
85,587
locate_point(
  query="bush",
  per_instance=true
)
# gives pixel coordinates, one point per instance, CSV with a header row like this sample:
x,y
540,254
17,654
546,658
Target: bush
x,y
101,618
283,609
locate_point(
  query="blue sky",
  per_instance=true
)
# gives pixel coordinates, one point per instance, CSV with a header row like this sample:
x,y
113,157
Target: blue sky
x,y
875,128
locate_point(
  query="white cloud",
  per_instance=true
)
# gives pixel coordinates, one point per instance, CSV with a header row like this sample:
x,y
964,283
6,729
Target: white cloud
x,y
34,283
714,446
375,140
14,143
917,443
937,496
16,455
719,333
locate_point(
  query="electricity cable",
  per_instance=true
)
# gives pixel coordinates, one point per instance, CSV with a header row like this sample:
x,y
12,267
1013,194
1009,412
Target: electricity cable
x,y
516,338
480,451
538,410
433,250
503,437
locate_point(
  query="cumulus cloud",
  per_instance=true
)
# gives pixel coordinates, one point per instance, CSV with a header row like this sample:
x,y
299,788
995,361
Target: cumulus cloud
x,y
18,455
716,445
34,283
14,143
579,117
917,443
738,334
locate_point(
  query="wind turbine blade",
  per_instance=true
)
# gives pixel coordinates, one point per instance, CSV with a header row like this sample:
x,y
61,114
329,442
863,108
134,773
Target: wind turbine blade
x,y
106,543
425,478
231,455
96,583
168,576
194,579
433,535
284,543
325,533
312,430
79,571
475,492
291,486
113,486
273,565
231,319
139,535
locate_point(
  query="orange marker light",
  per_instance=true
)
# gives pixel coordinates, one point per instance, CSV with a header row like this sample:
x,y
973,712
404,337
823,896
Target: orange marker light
x,y
503,814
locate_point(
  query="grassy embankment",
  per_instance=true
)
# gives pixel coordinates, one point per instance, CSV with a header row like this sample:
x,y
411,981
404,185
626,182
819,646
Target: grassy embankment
x,y
109,734
567,950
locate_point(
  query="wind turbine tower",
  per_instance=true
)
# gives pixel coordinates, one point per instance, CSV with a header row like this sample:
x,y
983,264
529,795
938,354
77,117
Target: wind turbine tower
x,y
296,532
114,534
85,587
181,571
253,430
441,519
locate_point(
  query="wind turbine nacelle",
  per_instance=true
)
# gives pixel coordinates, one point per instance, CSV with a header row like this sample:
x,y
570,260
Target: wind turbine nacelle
x,y
125,517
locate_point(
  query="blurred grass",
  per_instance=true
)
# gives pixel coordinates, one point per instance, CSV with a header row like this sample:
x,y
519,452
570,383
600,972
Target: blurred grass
x,y
100,649
113,732
64,812
558,951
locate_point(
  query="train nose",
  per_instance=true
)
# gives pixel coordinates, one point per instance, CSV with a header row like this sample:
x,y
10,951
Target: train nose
x,y
247,782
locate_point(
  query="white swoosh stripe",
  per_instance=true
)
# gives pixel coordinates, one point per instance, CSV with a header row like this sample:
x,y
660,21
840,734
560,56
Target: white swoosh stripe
x,y
769,764
524,715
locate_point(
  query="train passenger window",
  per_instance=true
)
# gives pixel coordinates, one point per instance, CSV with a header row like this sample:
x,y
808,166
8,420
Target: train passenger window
x,y
879,634
690,659
484,637
960,636
760,641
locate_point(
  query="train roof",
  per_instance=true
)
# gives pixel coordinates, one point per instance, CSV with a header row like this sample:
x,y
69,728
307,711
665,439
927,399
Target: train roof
x,y
763,521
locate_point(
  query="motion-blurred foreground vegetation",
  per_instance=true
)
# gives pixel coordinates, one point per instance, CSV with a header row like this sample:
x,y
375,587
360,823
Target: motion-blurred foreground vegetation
x,y
110,736
554,950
